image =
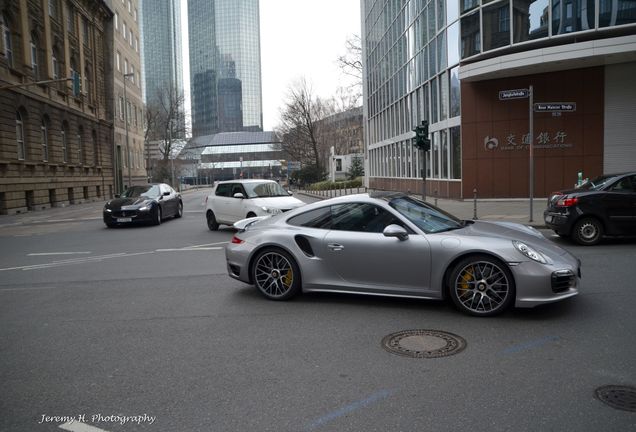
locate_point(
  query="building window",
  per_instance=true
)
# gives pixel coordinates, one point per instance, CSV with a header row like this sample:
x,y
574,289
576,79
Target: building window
x,y
70,23
496,26
34,58
88,85
116,21
135,14
53,8
55,64
80,146
85,30
64,143
137,44
121,108
19,136
125,67
95,149
129,6
118,61
6,39
132,71
124,32
469,29
44,134
130,37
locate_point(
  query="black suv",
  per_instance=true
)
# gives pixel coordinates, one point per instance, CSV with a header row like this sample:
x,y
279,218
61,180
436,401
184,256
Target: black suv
x,y
605,206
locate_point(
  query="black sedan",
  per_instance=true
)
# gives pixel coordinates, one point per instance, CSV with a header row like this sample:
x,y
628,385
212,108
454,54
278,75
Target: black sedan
x,y
148,203
605,206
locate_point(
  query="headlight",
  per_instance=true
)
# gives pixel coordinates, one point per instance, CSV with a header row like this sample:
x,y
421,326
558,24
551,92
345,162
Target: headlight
x,y
144,207
529,252
107,210
271,210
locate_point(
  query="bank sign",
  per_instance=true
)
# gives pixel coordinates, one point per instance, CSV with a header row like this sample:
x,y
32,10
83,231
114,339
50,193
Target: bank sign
x,y
543,140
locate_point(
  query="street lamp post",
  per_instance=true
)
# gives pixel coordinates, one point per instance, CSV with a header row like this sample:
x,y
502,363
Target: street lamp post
x,y
126,76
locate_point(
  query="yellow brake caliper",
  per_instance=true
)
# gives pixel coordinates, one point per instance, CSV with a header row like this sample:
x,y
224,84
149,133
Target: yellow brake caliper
x,y
288,278
467,276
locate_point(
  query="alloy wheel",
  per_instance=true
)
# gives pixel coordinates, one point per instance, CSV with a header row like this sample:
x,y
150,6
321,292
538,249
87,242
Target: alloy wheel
x,y
274,275
481,288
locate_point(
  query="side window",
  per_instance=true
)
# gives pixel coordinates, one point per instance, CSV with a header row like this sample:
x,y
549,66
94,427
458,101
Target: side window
x,y
626,184
318,218
237,188
361,217
223,189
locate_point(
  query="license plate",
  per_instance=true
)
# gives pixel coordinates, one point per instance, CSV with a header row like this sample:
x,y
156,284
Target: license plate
x,y
548,219
121,220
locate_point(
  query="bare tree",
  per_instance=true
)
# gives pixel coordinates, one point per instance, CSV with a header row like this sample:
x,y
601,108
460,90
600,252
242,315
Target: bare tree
x,y
164,125
299,129
351,62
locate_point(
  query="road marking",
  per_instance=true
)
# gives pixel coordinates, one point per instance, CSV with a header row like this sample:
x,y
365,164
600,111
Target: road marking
x,y
530,344
28,288
58,253
189,249
210,244
382,394
76,426
74,261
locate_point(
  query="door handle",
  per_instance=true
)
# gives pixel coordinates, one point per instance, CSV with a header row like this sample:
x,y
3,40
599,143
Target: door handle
x,y
335,246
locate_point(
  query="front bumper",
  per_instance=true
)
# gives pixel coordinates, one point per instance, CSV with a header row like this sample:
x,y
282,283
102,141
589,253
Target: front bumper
x,y
540,284
127,217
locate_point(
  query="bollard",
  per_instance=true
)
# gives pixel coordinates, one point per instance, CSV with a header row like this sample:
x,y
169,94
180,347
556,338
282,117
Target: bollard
x,y
435,192
475,204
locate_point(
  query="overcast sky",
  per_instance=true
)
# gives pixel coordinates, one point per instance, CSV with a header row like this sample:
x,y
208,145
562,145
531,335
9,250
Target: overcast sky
x,y
299,38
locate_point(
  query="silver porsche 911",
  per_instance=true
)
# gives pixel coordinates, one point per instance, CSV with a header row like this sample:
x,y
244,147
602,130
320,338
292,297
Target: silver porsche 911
x,y
394,245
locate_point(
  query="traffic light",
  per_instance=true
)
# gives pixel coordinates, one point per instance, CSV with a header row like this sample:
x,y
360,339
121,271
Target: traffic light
x,y
77,83
422,140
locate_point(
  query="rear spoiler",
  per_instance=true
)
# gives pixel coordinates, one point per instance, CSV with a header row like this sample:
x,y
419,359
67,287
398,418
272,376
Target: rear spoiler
x,y
244,223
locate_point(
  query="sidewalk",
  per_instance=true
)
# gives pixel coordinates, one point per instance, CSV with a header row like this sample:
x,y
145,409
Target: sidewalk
x,y
511,210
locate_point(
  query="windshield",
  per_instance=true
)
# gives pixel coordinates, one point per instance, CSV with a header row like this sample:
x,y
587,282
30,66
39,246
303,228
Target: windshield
x,y
149,191
428,218
263,190
596,184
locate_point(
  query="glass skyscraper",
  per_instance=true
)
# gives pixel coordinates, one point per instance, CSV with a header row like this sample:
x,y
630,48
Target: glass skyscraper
x,y
225,66
162,50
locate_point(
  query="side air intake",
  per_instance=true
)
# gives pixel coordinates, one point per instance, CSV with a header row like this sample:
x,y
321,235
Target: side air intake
x,y
304,245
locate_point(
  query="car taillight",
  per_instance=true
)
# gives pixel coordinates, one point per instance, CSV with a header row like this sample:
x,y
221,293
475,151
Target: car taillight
x,y
567,202
236,240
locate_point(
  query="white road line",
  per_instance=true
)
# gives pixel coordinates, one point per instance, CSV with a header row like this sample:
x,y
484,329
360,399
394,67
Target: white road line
x,y
210,244
74,261
58,253
76,426
189,249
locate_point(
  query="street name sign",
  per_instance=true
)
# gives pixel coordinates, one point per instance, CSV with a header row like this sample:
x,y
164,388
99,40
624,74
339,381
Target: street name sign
x,y
554,106
514,94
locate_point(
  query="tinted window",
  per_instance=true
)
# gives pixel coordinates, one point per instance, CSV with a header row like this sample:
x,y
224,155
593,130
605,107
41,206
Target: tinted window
x,y
237,188
361,217
318,218
428,218
627,184
223,189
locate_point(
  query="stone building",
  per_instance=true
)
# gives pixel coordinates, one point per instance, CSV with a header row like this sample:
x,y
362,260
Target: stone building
x,y
55,144
128,120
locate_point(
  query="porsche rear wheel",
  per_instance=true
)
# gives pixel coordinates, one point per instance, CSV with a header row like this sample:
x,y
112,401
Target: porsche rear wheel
x,y
276,274
482,286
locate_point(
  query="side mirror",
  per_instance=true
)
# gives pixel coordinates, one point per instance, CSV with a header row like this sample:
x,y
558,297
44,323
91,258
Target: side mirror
x,y
290,192
238,195
166,193
117,195
394,230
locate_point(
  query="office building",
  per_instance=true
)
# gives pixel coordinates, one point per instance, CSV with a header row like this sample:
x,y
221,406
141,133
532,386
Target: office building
x,y
162,56
225,66
450,63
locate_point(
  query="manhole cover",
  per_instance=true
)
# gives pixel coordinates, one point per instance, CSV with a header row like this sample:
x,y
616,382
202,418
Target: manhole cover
x,y
619,397
423,343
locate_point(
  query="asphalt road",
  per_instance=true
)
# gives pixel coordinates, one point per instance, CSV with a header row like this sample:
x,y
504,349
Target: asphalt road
x,y
140,329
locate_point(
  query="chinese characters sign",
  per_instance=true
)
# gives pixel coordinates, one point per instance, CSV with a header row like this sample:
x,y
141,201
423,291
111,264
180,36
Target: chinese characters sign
x,y
542,140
